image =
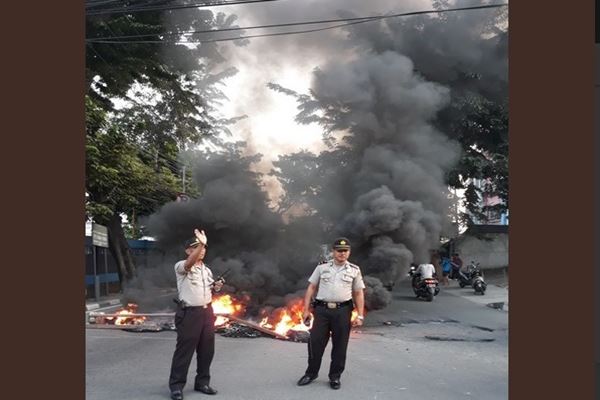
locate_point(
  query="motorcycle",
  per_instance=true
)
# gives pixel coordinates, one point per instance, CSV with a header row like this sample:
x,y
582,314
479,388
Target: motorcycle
x,y
464,278
425,288
473,277
477,281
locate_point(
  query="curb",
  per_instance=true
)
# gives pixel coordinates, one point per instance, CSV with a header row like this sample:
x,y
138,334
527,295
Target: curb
x,y
102,304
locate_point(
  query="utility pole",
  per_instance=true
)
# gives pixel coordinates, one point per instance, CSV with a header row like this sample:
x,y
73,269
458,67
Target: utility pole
x,y
456,214
452,247
183,179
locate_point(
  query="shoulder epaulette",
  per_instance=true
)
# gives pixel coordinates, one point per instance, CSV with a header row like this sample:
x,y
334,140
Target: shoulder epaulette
x,y
353,265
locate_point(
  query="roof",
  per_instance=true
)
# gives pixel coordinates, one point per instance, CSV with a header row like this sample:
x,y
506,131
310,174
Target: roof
x,y
480,229
476,231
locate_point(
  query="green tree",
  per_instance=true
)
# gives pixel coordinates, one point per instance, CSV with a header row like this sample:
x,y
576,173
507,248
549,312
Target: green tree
x,y
119,181
145,103
483,127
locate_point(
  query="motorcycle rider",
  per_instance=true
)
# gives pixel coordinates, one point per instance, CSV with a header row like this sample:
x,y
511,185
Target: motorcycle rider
x,y
424,281
425,271
457,264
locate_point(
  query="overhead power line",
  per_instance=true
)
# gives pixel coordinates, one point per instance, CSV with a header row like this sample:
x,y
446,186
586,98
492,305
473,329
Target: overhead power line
x,y
96,3
101,3
246,28
347,21
136,9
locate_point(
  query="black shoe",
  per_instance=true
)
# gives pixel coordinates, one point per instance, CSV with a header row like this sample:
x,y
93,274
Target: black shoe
x,y
205,389
335,383
306,379
177,395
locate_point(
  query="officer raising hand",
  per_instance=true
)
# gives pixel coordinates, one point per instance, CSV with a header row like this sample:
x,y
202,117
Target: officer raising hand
x,y
194,319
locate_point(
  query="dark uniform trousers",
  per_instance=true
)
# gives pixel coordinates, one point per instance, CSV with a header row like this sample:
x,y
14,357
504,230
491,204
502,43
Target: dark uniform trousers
x,y
195,333
334,321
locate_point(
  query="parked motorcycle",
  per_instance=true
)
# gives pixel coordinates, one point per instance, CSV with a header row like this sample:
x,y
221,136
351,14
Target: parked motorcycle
x,y
464,278
472,277
477,281
425,288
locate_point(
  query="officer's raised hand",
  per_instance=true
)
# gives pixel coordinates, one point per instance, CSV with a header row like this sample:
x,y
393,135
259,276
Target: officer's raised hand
x,y
201,236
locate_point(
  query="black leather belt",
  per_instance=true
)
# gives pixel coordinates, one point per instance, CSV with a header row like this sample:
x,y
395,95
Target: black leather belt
x,y
204,306
332,304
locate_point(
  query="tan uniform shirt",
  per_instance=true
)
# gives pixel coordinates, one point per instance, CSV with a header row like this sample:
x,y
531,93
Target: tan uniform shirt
x,y
194,287
336,283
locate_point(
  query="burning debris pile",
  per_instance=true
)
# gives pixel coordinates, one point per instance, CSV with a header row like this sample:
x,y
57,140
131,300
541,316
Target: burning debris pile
x,y
123,317
281,323
130,320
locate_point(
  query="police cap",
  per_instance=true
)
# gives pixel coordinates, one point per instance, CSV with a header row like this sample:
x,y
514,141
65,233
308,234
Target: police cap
x,y
341,243
192,242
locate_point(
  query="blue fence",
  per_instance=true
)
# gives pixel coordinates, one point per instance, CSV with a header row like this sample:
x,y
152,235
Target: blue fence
x,y
106,268
103,278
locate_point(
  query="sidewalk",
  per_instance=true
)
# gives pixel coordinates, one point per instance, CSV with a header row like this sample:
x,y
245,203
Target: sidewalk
x,y
496,294
104,304
93,304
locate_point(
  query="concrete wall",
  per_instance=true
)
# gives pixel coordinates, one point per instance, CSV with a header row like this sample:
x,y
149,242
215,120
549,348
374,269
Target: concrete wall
x,y
490,254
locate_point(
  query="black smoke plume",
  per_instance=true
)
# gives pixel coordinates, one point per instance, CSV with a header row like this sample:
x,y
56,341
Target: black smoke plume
x,y
382,181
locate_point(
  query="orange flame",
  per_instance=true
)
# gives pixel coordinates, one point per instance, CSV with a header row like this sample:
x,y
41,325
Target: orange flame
x,y
226,304
124,318
287,318
281,320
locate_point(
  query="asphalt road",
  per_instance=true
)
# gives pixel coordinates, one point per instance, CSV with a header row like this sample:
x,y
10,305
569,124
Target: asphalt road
x,y
451,348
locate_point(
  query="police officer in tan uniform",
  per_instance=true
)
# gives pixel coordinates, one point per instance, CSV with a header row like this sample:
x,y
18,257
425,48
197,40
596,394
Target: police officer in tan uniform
x,y
194,319
335,284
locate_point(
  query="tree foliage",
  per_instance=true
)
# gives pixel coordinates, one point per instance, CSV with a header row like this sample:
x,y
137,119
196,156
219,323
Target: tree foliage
x,y
145,102
483,127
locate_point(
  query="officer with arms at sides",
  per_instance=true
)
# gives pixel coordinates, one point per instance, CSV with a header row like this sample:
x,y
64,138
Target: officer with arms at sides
x,y
334,284
194,319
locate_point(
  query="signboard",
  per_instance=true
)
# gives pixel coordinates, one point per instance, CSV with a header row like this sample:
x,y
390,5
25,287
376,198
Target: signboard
x,y
99,235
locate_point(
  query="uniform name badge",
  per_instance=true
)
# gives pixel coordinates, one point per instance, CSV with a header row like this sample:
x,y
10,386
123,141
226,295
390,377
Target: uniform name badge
x,y
331,305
